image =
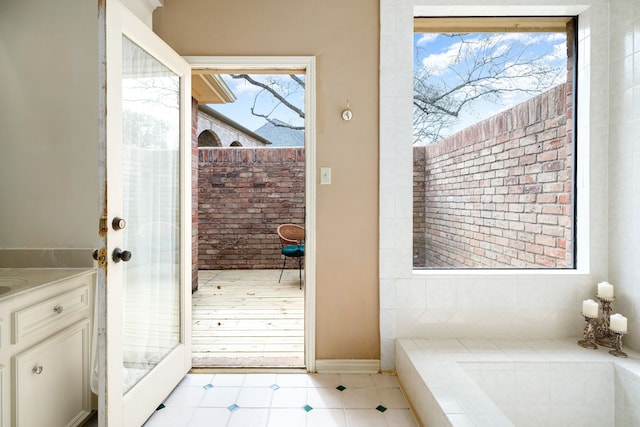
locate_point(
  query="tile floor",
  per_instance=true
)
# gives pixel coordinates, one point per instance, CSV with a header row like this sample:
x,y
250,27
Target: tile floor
x,y
284,400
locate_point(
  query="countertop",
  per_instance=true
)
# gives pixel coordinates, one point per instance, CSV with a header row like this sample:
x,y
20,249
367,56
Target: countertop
x,y
22,280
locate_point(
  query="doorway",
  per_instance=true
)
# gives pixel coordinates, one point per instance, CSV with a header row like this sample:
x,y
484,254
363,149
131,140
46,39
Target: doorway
x,y
220,282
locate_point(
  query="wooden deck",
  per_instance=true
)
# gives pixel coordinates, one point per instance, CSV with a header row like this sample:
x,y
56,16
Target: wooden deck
x,y
245,318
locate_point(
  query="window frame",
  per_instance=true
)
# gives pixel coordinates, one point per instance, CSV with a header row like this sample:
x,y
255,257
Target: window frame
x,y
523,24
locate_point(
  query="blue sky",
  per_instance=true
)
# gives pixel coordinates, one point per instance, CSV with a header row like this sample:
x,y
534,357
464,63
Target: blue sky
x,y
439,53
442,56
240,110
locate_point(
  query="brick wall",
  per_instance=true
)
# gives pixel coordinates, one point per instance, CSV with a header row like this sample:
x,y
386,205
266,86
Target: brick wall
x,y
499,193
244,194
194,194
419,208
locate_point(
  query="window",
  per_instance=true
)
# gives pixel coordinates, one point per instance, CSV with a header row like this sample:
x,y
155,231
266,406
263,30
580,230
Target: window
x,y
494,157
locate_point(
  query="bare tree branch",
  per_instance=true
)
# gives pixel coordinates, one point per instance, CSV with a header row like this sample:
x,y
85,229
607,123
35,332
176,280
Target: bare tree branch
x,y
273,92
482,68
297,80
274,122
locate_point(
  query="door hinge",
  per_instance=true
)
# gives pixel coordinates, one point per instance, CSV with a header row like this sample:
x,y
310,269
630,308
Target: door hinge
x,y
103,227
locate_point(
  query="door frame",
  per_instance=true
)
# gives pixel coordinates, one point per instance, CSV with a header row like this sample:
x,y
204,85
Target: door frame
x,y
298,63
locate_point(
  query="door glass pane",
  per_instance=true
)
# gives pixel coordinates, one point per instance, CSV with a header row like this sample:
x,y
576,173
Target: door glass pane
x,y
151,141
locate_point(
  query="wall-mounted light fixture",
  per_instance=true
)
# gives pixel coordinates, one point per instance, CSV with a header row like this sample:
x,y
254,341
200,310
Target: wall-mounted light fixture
x,y
346,113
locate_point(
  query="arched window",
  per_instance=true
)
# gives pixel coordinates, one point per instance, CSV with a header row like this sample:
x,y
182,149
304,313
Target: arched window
x,y
208,138
236,144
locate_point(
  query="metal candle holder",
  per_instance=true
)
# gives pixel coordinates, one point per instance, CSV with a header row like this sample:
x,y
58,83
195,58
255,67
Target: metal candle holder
x,y
604,336
617,345
588,340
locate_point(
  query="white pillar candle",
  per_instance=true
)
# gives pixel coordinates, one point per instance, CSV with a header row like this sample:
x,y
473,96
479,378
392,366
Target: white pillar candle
x,y
605,289
590,308
618,323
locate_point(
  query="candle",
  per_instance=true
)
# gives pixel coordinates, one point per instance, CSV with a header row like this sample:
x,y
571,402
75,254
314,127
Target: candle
x,y
605,289
590,308
618,323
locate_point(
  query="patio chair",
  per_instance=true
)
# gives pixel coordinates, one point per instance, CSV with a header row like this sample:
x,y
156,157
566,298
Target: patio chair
x,y
292,241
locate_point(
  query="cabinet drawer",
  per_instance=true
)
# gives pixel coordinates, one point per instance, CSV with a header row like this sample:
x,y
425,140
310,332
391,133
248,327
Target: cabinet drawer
x,y
48,316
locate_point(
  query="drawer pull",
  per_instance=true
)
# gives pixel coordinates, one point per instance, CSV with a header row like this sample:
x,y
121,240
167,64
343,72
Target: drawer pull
x,y
37,370
58,309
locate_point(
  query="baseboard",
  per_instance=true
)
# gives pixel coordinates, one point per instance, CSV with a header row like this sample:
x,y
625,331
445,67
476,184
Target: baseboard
x,y
348,366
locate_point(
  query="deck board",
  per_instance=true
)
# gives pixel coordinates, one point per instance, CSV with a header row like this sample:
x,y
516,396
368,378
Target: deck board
x,y
245,318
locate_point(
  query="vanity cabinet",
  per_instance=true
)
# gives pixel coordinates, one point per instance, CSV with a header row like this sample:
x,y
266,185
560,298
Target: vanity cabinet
x,y
51,383
4,396
45,346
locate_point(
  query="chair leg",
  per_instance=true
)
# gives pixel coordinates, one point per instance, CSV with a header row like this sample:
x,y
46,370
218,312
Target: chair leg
x,y
284,263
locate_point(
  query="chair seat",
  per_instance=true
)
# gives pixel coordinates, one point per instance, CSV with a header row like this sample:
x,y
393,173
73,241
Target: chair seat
x,y
293,250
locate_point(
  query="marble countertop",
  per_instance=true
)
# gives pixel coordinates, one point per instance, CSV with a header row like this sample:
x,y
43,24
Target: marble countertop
x,y
16,281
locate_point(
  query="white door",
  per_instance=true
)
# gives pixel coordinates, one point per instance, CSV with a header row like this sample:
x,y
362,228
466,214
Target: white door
x,y
144,283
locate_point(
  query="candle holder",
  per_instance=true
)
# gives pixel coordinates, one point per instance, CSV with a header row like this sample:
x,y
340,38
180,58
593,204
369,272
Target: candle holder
x,y
604,336
617,345
588,340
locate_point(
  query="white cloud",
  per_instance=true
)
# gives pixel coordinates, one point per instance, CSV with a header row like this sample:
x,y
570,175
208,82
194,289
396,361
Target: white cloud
x,y
500,49
426,38
523,38
240,86
556,37
559,53
439,63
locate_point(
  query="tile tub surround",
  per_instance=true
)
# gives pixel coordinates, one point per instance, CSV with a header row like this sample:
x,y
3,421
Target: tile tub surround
x,y
285,399
493,303
478,382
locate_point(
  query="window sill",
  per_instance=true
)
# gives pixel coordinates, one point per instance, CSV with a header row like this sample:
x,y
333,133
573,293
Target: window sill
x,y
501,272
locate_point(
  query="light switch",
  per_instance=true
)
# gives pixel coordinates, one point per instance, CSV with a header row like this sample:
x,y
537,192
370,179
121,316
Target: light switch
x,y
325,175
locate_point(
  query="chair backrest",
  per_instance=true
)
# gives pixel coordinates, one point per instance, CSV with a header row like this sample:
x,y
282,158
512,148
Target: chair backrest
x,y
290,234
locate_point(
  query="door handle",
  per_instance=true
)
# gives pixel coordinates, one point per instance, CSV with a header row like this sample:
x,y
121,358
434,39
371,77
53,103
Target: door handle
x,y
118,223
120,255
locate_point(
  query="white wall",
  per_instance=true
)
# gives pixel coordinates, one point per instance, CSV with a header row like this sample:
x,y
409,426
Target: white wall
x,y
228,134
624,162
515,304
48,124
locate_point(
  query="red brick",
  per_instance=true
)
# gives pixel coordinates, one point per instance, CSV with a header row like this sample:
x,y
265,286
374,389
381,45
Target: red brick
x,y
546,198
259,191
464,170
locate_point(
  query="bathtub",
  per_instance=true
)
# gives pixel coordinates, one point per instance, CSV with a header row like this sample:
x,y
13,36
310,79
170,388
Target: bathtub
x,y
474,382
